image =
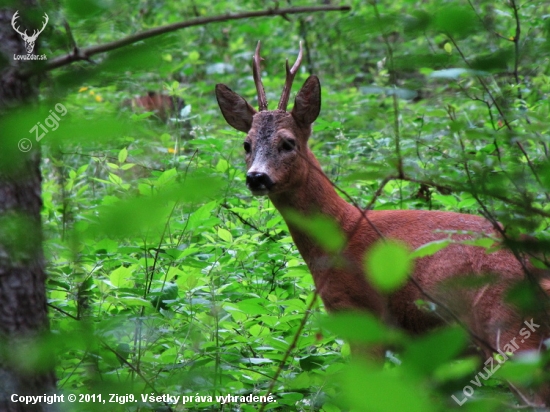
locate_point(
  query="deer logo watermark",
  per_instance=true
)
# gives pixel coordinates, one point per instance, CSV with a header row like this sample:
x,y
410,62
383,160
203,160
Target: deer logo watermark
x,y
29,40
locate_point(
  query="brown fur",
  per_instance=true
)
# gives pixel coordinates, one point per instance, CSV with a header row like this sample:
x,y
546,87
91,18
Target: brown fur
x,y
161,105
294,181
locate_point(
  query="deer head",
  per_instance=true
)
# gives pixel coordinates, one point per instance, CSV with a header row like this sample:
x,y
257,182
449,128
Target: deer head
x,y
29,40
276,149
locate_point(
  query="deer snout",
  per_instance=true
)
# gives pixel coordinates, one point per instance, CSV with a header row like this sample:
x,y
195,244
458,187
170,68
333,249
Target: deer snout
x,y
259,183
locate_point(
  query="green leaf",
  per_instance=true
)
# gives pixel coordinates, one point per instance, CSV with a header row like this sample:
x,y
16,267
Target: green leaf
x,y
388,264
323,229
160,297
202,214
457,21
121,277
123,351
130,216
430,248
519,369
122,155
258,330
199,187
255,361
371,389
193,55
251,307
288,398
360,327
312,362
373,174
429,352
166,177
457,369
495,62
225,235
85,9
222,166
133,301
484,242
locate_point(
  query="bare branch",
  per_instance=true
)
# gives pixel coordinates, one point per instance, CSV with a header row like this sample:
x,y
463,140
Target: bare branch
x,y
88,52
517,37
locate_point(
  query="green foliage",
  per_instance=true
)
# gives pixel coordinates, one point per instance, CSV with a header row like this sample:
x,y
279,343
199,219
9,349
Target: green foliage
x,y
361,328
387,265
371,389
322,229
167,277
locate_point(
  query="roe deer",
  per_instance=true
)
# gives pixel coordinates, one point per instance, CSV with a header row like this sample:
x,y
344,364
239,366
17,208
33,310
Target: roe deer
x,y
281,166
164,107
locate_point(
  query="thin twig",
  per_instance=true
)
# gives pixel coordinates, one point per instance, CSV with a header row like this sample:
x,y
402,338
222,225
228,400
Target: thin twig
x,y
455,317
516,45
502,115
500,230
387,44
290,348
63,312
109,348
357,226
379,192
247,223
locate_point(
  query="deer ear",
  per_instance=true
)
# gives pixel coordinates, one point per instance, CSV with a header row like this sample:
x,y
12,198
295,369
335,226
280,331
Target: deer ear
x,y
307,104
236,110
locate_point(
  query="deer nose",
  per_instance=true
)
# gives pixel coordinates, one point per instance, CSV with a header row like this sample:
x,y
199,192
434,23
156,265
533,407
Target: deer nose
x,y
258,182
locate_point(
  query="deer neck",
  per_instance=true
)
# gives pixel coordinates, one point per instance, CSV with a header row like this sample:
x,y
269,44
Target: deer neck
x,y
316,196
339,277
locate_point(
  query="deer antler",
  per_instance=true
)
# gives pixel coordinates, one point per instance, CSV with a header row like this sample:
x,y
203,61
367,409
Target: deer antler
x,y
262,100
15,16
290,73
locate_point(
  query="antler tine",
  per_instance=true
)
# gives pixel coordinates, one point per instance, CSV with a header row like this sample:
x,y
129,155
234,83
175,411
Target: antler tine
x,y
290,74
256,70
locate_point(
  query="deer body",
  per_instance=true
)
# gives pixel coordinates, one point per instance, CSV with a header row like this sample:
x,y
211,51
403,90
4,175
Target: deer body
x,y
345,288
281,166
164,107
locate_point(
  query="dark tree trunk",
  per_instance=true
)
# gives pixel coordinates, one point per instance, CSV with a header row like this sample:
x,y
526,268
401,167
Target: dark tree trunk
x,y
23,310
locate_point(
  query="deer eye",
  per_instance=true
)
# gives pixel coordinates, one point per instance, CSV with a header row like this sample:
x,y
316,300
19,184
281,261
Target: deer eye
x,y
288,144
247,147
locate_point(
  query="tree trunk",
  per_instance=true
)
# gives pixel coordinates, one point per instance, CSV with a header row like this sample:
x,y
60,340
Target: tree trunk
x,y
23,310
